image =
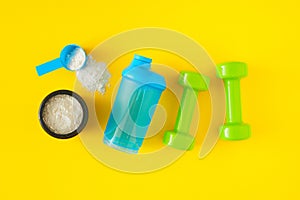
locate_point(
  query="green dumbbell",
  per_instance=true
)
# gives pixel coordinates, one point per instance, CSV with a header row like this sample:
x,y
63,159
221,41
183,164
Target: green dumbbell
x,y
180,137
234,128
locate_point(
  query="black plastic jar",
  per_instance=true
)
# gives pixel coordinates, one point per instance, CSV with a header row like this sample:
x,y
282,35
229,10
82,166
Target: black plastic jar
x,y
63,93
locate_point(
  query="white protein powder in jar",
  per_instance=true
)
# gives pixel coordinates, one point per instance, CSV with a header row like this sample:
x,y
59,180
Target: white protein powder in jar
x,y
62,114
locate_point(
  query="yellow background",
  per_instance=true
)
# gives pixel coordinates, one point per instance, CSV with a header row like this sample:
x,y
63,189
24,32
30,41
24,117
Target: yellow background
x,y
263,33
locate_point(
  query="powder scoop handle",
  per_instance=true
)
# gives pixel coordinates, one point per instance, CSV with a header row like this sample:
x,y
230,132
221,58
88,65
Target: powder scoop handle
x,y
49,66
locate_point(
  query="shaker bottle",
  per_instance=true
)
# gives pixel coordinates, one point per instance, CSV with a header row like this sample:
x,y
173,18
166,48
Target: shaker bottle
x,y
134,106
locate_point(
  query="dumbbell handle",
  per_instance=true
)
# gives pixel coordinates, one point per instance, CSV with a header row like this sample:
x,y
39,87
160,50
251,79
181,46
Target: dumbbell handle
x,y
186,110
233,100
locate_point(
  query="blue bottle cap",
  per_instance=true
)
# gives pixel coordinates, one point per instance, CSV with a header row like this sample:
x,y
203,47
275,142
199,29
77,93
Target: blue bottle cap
x,y
142,59
139,71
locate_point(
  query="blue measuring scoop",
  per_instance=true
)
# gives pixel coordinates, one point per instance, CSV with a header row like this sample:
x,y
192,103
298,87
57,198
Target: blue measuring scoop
x,y
66,56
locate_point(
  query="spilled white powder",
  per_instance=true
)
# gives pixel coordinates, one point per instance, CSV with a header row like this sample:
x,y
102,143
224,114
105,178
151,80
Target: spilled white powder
x,y
94,76
62,114
77,59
